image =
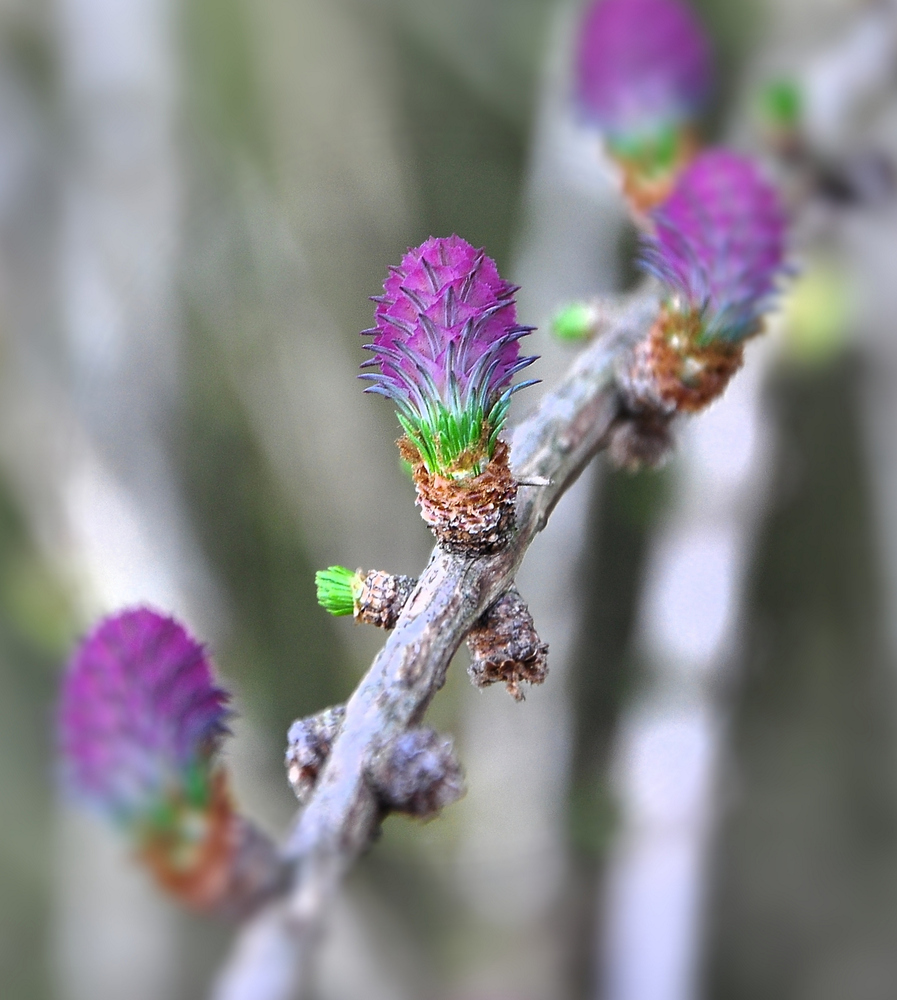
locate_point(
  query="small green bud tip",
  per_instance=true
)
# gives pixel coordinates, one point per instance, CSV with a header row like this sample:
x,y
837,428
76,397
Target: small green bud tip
x,y
574,323
655,152
338,589
781,104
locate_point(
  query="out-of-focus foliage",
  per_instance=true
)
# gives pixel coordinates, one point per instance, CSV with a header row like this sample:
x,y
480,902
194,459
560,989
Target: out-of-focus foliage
x,y
36,627
818,313
316,140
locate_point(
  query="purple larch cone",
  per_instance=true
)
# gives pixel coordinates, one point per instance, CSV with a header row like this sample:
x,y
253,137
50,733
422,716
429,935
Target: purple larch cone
x,y
140,716
642,66
447,347
719,243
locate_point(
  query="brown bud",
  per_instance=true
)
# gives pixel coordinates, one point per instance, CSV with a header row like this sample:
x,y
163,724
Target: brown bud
x,y
670,371
505,647
470,516
641,440
309,742
228,867
258,872
383,595
417,773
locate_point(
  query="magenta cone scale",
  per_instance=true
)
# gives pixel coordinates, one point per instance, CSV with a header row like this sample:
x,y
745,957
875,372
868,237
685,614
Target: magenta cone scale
x,y
719,244
643,66
447,347
140,717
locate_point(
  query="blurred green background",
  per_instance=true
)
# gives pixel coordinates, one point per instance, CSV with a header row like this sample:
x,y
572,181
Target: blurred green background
x,y
302,147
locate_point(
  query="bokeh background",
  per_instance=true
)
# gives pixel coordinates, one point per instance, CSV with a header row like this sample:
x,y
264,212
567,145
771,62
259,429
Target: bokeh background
x,y
196,199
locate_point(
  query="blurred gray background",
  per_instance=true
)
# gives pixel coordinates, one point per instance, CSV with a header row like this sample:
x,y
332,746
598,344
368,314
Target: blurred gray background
x,y
196,200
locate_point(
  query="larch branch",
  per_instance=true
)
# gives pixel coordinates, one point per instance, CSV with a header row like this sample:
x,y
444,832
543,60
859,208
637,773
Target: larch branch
x,y
551,447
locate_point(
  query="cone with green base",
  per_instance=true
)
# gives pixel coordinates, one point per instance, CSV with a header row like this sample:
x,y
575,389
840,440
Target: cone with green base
x,y
447,349
643,74
140,725
718,247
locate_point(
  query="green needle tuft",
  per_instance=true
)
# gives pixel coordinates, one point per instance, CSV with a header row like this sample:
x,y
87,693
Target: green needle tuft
x,y
574,323
781,104
338,589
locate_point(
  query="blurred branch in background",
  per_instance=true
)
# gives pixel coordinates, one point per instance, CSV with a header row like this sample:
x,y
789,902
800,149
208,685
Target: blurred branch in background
x,y
194,201
666,759
809,775
512,858
120,237
89,381
671,748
